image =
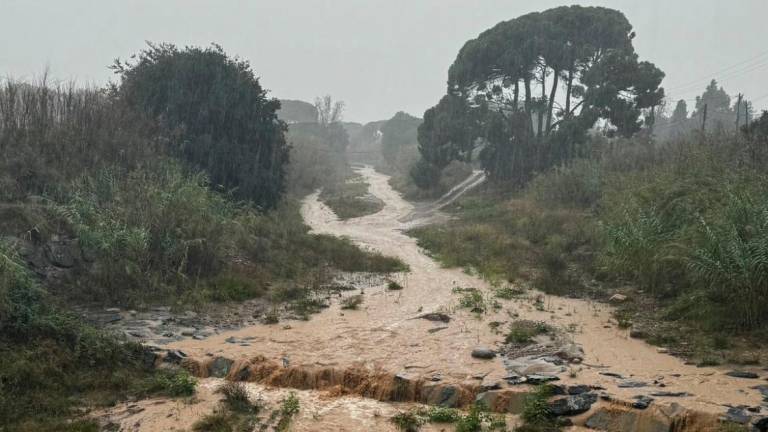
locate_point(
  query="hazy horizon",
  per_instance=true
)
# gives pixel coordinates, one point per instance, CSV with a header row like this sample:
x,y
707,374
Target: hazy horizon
x,y
379,57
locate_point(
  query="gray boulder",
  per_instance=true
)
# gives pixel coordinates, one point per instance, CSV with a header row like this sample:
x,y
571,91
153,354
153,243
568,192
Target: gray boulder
x,y
483,353
572,405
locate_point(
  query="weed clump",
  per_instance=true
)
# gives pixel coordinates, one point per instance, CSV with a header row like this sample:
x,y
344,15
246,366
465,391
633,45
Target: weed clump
x,y
407,421
536,415
237,399
352,302
289,408
472,299
522,332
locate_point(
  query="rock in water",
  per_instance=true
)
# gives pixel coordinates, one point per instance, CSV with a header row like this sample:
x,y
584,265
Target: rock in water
x,y
540,379
742,374
670,394
642,402
483,353
632,384
435,316
576,389
175,356
572,405
737,415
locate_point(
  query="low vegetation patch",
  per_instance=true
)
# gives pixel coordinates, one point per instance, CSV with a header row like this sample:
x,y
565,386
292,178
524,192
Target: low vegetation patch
x,y
289,408
352,302
477,419
350,198
237,399
472,299
514,240
522,332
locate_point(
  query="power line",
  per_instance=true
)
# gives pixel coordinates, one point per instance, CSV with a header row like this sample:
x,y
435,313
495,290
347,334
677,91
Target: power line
x,y
738,67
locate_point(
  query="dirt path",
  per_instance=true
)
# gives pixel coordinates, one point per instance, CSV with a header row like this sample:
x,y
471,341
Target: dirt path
x,y
384,335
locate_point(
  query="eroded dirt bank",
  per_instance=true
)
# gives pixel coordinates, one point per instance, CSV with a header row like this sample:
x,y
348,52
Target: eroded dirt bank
x,y
385,335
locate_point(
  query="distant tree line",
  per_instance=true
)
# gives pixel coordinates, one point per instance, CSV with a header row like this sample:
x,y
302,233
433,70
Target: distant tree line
x,y
713,110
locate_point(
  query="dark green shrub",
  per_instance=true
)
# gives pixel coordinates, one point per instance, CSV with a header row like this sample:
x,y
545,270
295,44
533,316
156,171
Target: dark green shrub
x,y
221,118
173,382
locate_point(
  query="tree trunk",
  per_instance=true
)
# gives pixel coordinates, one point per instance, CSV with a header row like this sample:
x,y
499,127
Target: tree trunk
x,y
552,100
516,100
568,93
527,83
539,129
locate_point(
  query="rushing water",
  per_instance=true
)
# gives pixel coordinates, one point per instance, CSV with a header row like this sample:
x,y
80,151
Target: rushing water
x,y
383,334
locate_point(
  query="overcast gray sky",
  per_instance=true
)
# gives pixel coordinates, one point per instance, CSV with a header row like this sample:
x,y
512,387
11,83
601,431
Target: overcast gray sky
x,y
379,56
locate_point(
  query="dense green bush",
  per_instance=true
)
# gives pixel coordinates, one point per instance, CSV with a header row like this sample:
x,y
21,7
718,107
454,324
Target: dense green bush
x,y
730,260
694,225
221,118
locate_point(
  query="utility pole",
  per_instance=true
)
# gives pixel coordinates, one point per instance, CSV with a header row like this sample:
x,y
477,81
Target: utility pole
x,y
738,110
704,119
746,114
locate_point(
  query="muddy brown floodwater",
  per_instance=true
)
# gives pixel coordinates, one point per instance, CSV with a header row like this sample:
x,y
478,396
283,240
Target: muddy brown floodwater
x,y
383,334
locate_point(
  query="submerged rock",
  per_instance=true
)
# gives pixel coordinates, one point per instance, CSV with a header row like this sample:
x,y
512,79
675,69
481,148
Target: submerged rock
x,y
642,402
440,395
670,394
435,316
626,419
220,367
632,384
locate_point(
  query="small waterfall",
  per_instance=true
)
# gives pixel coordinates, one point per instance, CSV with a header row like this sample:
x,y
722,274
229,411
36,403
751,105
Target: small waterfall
x,y
452,195
426,213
